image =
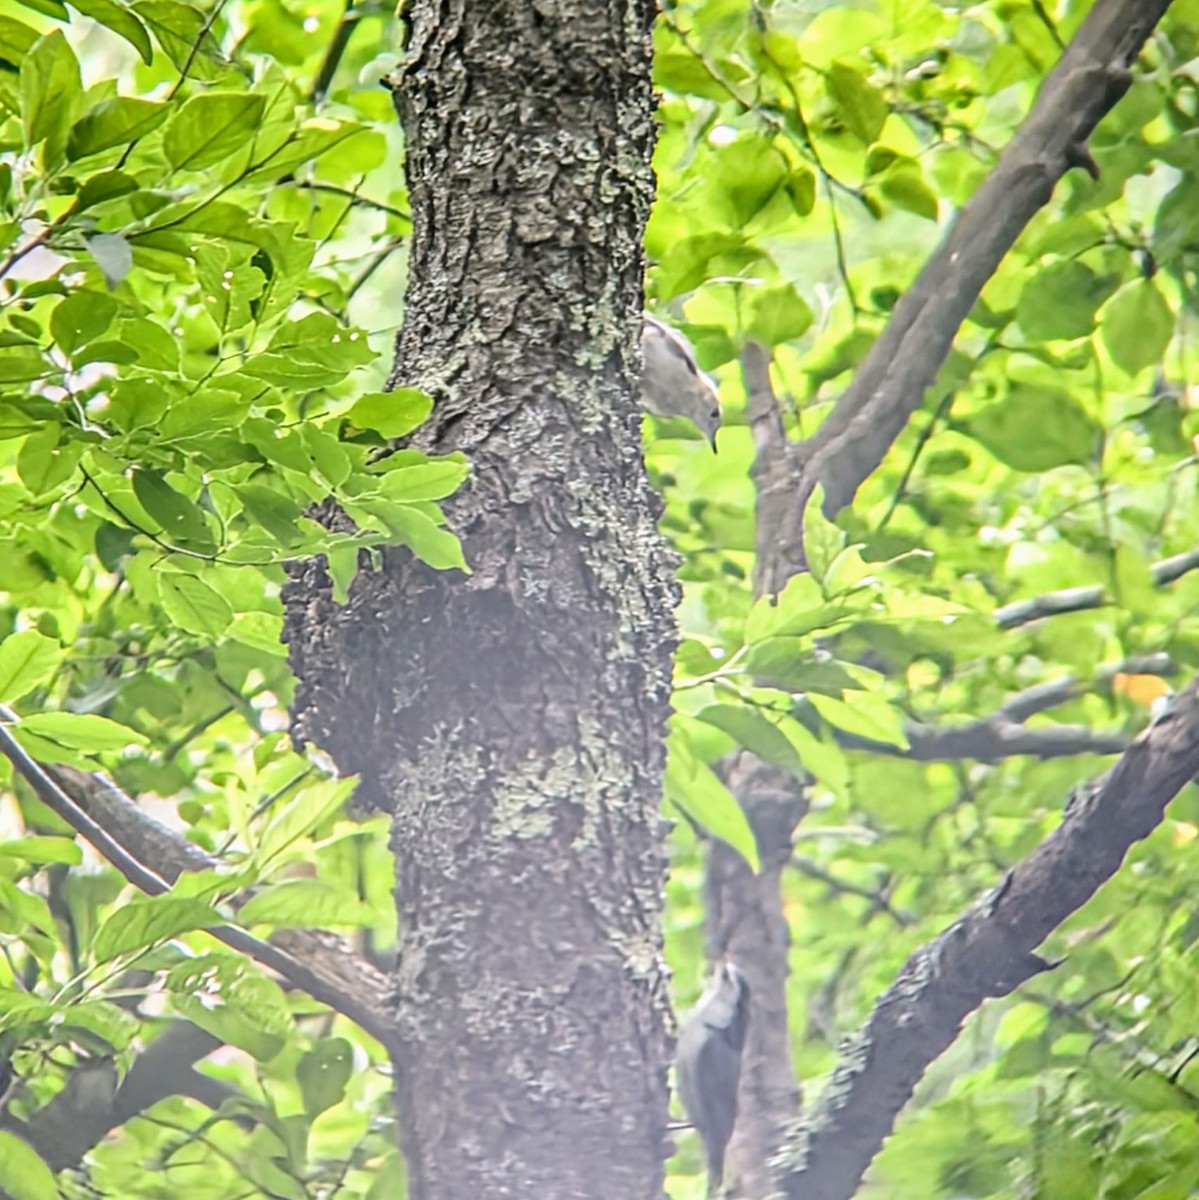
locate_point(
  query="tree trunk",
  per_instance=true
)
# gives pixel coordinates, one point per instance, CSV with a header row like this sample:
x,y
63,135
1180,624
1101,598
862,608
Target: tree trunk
x,y
512,720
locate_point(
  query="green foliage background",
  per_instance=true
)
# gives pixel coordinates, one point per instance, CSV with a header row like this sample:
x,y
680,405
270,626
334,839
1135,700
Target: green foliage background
x,y
195,252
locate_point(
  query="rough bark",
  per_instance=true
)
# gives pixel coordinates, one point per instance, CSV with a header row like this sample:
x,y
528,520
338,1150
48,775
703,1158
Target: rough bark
x,y
989,952
512,720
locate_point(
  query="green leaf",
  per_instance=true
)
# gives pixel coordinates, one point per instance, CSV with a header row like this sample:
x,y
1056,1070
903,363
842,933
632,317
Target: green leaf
x,y
121,21
233,1001
747,182
105,185
859,105
82,731
102,1026
821,759
328,454
25,1175
776,315
801,187
179,29
114,122
798,609
44,462
1060,302
51,91
18,365
905,186
16,40
755,731
1137,326
30,911
848,572
311,806
430,542
191,604
306,903
392,414
181,520
679,69
43,850
274,512
230,284
27,660
211,127
1036,428
694,787
424,481
146,921
866,715
323,1074
156,348
82,316
791,663
314,352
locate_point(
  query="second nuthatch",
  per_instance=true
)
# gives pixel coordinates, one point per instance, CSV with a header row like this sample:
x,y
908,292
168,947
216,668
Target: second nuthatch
x,y
672,384
708,1063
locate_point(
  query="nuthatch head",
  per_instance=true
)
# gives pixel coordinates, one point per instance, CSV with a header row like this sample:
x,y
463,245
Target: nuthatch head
x,y
708,1063
672,384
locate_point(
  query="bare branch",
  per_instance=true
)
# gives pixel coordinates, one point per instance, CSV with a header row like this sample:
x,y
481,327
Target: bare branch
x,y
1043,696
745,919
1003,734
992,740
989,952
1068,600
1091,76
1167,570
1051,604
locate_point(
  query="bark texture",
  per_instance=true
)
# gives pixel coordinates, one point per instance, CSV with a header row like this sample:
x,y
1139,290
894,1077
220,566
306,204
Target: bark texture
x,y
512,720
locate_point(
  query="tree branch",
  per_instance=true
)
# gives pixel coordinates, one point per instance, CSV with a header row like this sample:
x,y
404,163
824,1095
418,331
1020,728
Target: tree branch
x,y
323,976
1079,599
1088,80
86,1110
991,740
1003,734
989,952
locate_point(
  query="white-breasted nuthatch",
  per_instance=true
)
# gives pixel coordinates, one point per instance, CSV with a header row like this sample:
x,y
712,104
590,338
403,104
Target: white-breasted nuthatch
x,y
672,384
708,1063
